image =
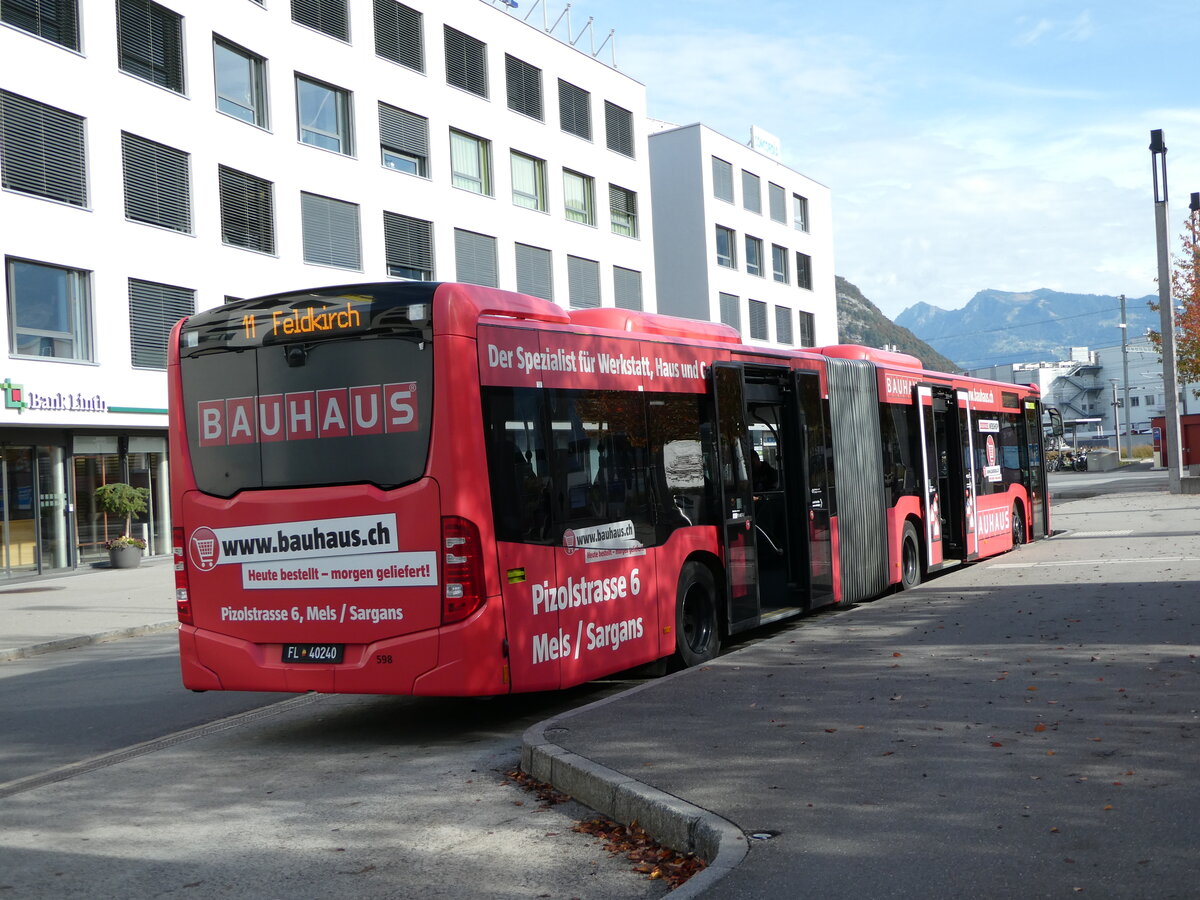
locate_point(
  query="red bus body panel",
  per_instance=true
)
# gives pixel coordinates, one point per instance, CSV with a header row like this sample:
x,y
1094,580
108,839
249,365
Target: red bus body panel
x,y
549,616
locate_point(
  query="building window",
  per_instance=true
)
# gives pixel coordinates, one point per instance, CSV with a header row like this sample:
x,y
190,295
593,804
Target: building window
x,y
777,201
618,129
754,256
722,173
475,258
579,197
470,163
466,62
799,212
49,311
574,110
240,83
583,282
52,20
1133,400
247,210
726,251
157,189
731,311
751,192
153,311
783,325
42,150
758,321
528,181
524,87
627,288
329,17
622,204
807,333
399,34
404,140
535,275
408,246
324,115
1149,399
150,43
331,232
779,263
804,271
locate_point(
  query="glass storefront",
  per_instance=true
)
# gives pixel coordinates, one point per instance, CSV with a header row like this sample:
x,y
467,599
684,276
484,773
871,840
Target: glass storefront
x,y
136,460
48,519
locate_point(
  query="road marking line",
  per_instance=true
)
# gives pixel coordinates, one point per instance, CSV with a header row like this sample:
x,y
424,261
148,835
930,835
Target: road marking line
x,y
1094,562
71,770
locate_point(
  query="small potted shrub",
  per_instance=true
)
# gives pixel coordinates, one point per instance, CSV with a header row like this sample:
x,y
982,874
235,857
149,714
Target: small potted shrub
x,y
123,501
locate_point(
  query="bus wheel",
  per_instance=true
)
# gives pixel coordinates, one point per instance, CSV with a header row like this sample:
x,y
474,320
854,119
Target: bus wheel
x,y
697,637
1018,526
910,558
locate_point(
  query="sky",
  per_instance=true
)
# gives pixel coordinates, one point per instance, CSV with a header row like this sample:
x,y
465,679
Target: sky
x,y
968,144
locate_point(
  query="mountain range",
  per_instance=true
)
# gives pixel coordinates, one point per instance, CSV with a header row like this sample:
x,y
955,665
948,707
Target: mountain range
x,y
861,322
998,327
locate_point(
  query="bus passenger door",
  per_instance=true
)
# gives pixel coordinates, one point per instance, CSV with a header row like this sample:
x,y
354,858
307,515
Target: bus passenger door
x,y
966,443
1035,476
943,483
736,496
811,484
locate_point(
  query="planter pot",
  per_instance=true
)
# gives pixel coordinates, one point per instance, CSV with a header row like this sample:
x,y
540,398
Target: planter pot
x,y
125,557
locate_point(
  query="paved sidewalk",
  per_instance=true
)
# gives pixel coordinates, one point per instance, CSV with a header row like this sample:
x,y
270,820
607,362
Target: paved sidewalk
x,y
86,607
1025,727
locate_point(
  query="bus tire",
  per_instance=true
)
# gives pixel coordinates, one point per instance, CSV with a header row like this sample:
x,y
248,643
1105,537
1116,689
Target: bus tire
x,y
697,631
1018,526
910,558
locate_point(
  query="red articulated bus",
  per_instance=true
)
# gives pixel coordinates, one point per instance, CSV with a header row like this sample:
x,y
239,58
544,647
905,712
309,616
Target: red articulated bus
x,y
446,489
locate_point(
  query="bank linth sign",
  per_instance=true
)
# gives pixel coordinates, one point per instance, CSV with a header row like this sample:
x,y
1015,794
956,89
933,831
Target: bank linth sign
x,y
16,397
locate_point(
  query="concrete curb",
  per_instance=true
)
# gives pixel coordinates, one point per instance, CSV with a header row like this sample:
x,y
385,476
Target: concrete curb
x,y
83,640
671,821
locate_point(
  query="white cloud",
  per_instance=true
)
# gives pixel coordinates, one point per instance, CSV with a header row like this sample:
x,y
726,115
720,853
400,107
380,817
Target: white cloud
x,y
947,178
1034,33
1076,30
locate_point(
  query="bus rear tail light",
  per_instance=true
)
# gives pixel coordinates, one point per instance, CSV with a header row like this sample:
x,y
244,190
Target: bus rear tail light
x,y
462,569
183,605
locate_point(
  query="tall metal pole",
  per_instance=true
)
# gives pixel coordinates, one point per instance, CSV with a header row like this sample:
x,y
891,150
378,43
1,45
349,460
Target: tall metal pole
x,y
1166,310
1116,418
1125,382
1194,206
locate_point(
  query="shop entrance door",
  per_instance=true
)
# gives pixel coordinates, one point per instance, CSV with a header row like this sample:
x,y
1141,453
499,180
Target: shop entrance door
x,y
33,511
18,522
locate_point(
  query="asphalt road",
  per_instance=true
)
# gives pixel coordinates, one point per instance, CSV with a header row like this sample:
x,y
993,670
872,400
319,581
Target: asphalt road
x,y
116,782
60,708
1074,485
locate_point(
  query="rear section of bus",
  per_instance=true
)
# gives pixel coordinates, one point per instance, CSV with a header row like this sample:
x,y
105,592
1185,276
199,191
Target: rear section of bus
x,y
321,543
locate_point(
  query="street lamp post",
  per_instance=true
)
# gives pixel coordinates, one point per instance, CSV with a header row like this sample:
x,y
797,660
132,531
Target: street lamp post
x,y
1125,377
1166,311
1116,418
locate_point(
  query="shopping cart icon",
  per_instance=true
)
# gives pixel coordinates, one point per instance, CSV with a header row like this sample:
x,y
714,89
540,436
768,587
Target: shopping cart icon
x,y
204,549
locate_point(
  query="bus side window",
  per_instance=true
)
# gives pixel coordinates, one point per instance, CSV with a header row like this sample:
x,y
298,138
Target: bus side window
x,y
517,466
603,460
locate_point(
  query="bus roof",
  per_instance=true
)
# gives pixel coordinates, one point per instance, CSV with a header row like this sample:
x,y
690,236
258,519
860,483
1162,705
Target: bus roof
x,y
655,324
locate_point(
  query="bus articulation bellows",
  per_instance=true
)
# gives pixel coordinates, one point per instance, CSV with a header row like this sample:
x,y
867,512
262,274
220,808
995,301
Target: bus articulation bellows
x,y
446,489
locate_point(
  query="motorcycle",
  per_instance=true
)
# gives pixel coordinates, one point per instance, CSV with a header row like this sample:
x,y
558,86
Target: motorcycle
x,y
1079,464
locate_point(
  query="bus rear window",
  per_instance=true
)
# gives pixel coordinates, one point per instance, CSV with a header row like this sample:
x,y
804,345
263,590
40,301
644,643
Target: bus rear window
x,y
302,410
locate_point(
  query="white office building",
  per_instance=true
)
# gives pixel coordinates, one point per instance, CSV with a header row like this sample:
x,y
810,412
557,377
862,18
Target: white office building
x,y
160,158
740,238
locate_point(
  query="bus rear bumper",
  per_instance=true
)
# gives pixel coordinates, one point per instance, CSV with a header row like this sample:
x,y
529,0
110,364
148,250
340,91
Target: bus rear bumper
x,y
466,659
